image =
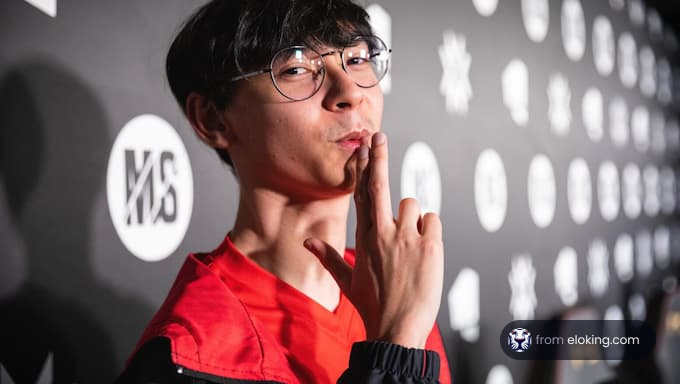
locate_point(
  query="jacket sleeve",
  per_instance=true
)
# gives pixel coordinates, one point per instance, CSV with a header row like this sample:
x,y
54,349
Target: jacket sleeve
x,y
375,362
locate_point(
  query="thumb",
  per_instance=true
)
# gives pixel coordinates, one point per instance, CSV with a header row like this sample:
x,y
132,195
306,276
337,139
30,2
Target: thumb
x,y
332,261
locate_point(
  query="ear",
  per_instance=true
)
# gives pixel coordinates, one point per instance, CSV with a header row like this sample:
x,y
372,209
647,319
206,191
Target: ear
x,y
207,121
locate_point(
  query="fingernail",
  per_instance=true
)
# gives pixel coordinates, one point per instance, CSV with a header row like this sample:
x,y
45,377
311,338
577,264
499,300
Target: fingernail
x,y
363,151
379,138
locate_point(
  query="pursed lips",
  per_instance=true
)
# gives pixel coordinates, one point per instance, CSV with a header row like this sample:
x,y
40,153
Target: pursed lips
x,y
353,139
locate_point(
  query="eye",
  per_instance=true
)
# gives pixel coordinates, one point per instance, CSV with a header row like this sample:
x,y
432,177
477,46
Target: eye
x,y
293,71
357,61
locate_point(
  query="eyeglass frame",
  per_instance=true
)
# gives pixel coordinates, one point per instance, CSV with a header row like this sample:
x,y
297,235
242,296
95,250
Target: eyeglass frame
x,y
321,55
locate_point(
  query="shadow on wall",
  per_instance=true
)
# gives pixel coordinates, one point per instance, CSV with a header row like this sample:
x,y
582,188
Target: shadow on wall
x,y
53,155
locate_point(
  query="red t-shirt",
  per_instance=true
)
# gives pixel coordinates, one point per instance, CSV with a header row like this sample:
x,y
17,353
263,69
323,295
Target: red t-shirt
x,y
316,341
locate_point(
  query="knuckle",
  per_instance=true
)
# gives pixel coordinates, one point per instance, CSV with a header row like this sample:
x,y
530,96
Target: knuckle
x,y
375,187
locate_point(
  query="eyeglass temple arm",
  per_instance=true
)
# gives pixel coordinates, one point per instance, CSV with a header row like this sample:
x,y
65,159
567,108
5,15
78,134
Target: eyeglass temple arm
x,y
250,74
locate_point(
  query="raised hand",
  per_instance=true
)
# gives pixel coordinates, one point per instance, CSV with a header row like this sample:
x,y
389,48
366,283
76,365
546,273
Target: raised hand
x,y
396,282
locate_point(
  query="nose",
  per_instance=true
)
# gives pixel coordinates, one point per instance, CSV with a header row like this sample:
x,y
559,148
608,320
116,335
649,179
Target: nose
x,y
342,93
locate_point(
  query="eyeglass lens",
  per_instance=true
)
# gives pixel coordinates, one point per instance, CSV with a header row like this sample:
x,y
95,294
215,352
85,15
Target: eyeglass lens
x,y
299,71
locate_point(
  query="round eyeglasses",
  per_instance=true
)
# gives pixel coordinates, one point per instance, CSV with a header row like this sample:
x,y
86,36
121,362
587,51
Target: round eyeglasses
x,y
298,72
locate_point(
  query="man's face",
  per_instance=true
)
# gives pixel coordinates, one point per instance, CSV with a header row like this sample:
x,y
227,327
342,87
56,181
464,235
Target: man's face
x,y
302,148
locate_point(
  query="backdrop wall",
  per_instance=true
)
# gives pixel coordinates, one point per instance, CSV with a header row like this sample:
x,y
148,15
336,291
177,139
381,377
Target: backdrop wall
x,y
544,133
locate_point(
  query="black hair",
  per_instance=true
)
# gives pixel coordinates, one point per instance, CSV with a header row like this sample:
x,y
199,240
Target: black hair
x,y
226,38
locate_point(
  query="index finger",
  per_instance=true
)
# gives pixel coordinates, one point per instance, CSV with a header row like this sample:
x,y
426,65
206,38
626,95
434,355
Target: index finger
x,y
378,182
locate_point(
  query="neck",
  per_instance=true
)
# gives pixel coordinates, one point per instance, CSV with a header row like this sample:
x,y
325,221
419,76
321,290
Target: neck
x,y
270,229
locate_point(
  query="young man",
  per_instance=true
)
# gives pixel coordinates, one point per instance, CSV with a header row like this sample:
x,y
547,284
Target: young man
x,y
286,92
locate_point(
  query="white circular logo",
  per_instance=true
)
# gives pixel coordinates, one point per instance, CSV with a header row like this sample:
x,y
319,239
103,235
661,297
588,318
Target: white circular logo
x,y
598,267
591,111
636,12
662,246
579,191
618,121
381,23
499,374
623,257
603,45
658,132
149,187
463,300
639,124
541,191
536,16
631,190
515,81
608,193
420,177
628,60
647,71
665,81
559,100
650,176
573,29
565,273
644,262
491,190
485,7
667,186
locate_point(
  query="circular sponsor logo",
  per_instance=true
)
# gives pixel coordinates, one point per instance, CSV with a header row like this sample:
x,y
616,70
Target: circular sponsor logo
x,y
579,191
536,17
149,187
491,190
608,193
573,29
381,23
541,191
420,177
603,45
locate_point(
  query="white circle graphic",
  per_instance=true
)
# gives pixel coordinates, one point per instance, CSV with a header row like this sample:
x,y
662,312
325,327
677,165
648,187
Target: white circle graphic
x,y
631,190
650,176
603,45
381,23
573,29
618,121
665,81
565,274
672,135
149,187
639,125
541,191
667,189
536,17
658,133
647,71
420,177
636,12
499,374
623,257
579,191
608,193
515,82
644,262
591,111
598,267
463,300
559,104
627,60
491,190
485,7
662,246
